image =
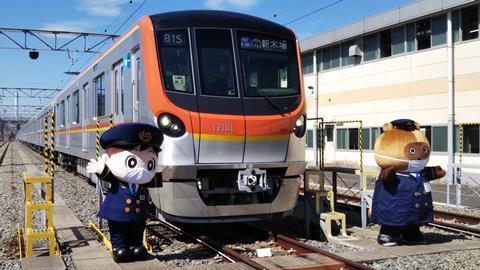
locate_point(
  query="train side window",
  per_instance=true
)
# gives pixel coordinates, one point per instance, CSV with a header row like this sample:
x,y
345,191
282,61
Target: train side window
x,y
174,52
99,94
62,113
68,110
76,108
215,57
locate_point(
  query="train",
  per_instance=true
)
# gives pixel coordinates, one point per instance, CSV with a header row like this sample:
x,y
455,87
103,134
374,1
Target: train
x,y
227,91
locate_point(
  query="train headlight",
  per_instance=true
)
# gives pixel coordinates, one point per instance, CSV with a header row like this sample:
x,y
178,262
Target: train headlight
x,y
171,125
299,128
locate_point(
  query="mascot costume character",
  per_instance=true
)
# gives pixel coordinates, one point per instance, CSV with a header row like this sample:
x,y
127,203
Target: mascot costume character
x,y
402,200
129,163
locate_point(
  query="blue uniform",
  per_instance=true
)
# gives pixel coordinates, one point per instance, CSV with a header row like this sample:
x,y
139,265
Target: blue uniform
x,y
125,211
403,202
123,203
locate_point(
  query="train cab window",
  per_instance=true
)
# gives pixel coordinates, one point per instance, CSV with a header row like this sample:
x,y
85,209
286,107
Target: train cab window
x,y
269,65
215,57
175,60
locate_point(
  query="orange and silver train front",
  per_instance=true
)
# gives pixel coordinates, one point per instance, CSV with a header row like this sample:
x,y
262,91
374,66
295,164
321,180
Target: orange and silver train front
x,y
226,89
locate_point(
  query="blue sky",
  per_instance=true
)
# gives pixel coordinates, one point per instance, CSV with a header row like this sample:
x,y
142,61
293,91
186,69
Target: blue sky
x,y
18,70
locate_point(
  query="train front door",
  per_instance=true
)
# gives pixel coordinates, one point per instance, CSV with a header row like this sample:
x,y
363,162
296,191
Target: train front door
x,y
222,121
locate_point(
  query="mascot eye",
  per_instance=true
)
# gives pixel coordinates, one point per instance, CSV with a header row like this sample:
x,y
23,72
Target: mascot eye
x,y
425,150
412,151
131,162
151,165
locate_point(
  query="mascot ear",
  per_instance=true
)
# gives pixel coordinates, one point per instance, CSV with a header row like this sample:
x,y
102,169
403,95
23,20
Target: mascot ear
x,y
387,127
417,125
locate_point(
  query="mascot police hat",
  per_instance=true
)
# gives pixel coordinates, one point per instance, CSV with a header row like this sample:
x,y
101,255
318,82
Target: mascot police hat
x,y
130,135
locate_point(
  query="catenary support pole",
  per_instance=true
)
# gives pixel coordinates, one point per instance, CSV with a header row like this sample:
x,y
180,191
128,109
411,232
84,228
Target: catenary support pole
x,y
451,106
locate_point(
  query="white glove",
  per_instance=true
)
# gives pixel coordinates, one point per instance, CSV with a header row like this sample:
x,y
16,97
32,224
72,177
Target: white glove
x,y
97,166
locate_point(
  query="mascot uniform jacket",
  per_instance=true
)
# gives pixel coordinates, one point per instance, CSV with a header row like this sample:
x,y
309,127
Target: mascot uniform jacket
x,y
122,203
402,195
405,201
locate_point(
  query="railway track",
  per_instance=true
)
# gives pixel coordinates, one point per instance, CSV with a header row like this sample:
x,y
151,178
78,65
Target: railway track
x,y
229,255
439,217
5,146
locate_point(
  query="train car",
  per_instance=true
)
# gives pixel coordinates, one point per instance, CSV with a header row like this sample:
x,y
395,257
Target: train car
x,y
225,88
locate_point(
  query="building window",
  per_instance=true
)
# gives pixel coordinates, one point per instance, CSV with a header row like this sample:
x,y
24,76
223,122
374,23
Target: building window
x,y
341,138
319,60
427,132
309,140
366,139
353,138
100,94
370,47
423,34
326,59
470,23
76,108
346,59
331,57
456,25
439,139
375,133
307,63
329,133
398,40
410,35
471,139
439,30
385,44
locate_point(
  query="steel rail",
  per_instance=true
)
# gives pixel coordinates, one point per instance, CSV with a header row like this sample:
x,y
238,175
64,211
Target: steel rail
x,y
452,227
7,143
459,217
447,226
302,248
179,231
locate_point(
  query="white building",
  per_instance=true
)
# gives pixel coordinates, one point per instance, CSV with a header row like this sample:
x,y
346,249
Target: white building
x,y
396,65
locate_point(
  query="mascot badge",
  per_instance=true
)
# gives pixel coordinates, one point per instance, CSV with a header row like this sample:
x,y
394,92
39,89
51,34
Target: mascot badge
x,y
402,200
129,165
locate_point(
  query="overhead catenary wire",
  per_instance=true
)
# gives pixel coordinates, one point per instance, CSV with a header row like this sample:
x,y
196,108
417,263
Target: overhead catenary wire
x,y
314,11
62,82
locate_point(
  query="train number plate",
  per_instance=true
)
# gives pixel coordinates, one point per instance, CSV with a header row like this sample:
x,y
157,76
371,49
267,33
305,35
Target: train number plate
x,y
252,180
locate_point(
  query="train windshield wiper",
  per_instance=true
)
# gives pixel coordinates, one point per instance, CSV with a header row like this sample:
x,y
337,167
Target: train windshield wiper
x,y
274,105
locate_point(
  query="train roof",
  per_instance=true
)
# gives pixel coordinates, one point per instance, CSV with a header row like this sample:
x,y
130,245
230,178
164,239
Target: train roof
x,y
220,19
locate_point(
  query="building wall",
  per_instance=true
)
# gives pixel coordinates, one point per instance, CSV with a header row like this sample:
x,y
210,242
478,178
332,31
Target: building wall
x,y
411,85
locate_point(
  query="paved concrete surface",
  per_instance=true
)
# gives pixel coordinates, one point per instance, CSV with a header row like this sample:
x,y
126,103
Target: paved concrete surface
x,y
371,250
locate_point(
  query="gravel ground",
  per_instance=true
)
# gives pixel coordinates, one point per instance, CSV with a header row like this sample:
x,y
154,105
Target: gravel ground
x,y
172,251
465,260
461,260
80,196
461,210
12,210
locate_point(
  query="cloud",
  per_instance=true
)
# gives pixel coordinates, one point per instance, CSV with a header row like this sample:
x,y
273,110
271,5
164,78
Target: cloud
x,y
71,25
104,8
222,4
